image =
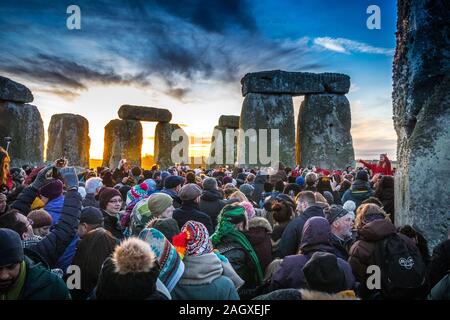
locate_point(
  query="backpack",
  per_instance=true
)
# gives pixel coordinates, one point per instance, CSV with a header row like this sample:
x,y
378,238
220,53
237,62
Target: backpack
x,y
402,268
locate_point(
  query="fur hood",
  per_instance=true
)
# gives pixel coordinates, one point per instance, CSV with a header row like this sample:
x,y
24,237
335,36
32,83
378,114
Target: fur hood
x,y
317,295
260,222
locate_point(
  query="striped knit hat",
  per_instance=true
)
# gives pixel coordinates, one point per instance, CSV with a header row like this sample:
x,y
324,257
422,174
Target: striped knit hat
x,y
193,240
141,191
172,268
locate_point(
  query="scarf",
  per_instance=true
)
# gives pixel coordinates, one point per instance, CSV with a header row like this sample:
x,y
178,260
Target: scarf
x,y
226,227
16,289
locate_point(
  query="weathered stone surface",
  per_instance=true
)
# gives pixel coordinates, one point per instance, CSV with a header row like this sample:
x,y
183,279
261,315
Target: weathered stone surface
x,y
23,123
223,151
263,111
323,134
14,91
123,140
229,122
68,135
421,103
129,112
294,83
168,152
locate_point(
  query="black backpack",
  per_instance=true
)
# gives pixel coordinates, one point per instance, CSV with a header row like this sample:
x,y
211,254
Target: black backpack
x,y
402,268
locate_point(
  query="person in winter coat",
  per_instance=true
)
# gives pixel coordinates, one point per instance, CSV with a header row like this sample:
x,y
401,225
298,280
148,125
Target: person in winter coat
x,y
172,185
203,277
385,193
93,186
316,237
231,242
190,194
341,223
258,234
441,291
373,225
21,278
4,207
290,239
50,248
91,252
360,189
283,213
122,172
52,196
383,166
211,200
326,280
130,274
110,202
439,264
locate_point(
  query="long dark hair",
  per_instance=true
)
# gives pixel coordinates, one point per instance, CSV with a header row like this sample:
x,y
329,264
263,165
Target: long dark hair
x,y
92,251
386,182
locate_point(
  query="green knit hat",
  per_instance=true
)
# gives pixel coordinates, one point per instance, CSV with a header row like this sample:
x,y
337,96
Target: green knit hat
x,y
158,202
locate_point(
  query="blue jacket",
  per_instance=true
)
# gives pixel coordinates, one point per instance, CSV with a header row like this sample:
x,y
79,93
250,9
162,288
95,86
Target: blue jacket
x,y
54,207
66,259
52,247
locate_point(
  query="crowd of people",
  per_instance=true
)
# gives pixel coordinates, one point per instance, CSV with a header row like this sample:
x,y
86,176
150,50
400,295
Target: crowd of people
x,y
223,234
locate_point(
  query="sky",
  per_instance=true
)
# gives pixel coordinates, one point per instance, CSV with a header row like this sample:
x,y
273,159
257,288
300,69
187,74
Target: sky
x,y
189,56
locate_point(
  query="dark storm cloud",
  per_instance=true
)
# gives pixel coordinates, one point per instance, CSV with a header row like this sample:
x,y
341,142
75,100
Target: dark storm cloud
x,y
172,40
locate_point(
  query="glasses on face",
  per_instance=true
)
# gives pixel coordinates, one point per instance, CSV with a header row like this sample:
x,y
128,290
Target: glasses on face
x,y
115,201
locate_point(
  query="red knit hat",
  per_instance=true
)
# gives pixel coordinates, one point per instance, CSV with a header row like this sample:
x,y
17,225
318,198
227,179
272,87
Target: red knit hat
x,y
52,190
105,195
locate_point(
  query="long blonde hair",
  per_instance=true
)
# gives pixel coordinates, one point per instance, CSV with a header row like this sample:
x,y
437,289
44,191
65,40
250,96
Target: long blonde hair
x,y
238,195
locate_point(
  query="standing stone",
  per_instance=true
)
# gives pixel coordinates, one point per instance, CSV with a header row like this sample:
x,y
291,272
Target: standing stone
x,y
421,103
164,146
23,123
229,122
123,140
265,111
68,136
14,91
294,83
220,147
323,136
129,112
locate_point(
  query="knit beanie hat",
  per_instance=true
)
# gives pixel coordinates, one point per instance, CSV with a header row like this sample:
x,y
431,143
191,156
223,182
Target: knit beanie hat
x,y
173,182
130,274
322,273
193,240
249,209
106,194
334,213
350,206
168,227
170,263
140,216
210,184
247,189
40,218
227,179
91,216
52,190
158,202
362,175
189,191
300,181
11,251
141,190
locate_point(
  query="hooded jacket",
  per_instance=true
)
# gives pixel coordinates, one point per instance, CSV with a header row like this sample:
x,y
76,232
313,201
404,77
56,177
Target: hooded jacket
x,y
258,234
290,239
359,191
190,211
316,237
211,202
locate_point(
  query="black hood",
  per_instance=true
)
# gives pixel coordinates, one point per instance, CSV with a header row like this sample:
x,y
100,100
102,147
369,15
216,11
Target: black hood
x,y
211,195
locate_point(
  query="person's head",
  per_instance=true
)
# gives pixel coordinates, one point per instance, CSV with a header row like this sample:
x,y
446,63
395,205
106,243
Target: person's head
x,y
167,226
93,185
382,157
272,268
234,214
323,273
304,200
90,218
279,186
350,206
160,205
374,201
4,166
17,222
311,179
300,181
341,221
190,192
282,212
323,184
42,221
51,190
385,184
124,165
362,175
131,273
193,240
172,267
345,185
247,190
95,246
136,171
11,257
210,184
367,213
250,178
190,177
110,200
238,195
174,183
2,202
268,187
